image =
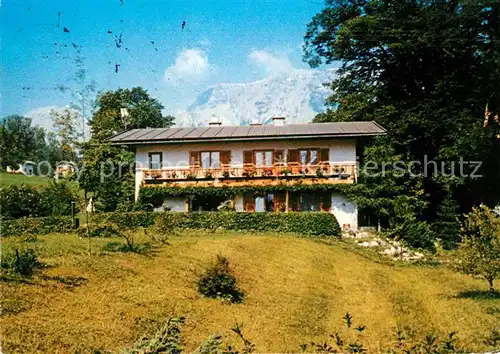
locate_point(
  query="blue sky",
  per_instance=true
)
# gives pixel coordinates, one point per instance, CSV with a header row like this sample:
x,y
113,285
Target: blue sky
x,y
223,41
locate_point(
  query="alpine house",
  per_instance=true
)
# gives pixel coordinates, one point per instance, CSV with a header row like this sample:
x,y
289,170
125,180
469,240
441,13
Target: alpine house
x,y
256,168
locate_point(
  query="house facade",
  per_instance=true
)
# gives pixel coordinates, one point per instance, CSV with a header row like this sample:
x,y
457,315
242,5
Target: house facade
x,y
270,168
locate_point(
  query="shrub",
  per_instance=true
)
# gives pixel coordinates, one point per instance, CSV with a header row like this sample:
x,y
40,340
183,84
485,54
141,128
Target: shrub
x,y
126,247
310,224
125,219
219,282
36,226
24,263
55,199
100,230
161,230
416,234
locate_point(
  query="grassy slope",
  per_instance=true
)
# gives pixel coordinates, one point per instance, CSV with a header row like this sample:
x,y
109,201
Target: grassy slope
x,y
10,178
297,290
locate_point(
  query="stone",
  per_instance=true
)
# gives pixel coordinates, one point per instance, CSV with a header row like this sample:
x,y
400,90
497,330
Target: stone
x,y
362,234
390,251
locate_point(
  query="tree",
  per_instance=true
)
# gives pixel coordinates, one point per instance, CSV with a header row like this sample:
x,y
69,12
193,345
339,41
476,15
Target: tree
x,y
106,170
479,252
20,141
141,111
65,123
423,70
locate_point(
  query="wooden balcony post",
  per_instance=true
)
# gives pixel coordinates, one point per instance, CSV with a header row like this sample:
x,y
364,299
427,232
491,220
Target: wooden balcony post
x,y
287,201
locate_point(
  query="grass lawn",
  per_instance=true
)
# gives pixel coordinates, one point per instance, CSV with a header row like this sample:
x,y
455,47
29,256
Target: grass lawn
x,y
10,178
296,291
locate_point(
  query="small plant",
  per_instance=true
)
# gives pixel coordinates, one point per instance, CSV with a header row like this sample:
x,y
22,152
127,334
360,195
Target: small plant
x,y
226,174
249,172
155,175
24,263
248,346
190,176
319,172
167,340
285,172
219,282
209,175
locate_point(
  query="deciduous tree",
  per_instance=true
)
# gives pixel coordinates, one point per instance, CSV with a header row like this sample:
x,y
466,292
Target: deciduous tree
x,y
424,70
479,252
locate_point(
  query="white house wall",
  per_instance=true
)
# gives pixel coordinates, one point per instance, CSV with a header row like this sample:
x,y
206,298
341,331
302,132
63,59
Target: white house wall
x,y
177,155
345,210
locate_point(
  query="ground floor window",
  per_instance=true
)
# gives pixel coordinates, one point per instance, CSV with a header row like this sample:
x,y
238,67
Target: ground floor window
x,y
270,202
300,201
199,203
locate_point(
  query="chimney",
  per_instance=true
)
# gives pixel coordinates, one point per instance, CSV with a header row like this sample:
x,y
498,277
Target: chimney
x,y
255,123
279,121
215,122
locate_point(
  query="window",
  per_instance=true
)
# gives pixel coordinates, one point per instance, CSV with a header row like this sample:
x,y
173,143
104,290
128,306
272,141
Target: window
x,y
248,202
310,156
310,201
275,202
264,202
264,158
210,159
155,160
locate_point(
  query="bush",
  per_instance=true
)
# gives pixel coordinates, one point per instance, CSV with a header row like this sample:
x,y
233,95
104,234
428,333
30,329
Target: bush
x,y
55,199
219,282
310,224
125,219
416,234
36,226
24,263
161,230
100,230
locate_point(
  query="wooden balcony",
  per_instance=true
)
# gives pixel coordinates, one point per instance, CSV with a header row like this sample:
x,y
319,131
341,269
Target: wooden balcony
x,y
248,175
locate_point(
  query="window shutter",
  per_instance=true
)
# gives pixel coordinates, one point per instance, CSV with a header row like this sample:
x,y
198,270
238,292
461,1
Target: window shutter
x,y
279,157
194,159
293,156
225,158
248,157
325,155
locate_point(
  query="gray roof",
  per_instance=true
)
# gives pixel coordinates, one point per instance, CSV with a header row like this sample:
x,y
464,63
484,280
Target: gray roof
x,y
245,133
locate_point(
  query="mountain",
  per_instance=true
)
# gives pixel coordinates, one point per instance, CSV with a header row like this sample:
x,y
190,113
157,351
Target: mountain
x,y
298,95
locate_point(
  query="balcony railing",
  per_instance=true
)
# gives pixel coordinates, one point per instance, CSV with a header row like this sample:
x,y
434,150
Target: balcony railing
x,y
342,171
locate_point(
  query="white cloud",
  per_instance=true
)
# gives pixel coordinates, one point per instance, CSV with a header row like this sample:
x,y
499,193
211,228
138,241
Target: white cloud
x,y
41,116
270,62
191,65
